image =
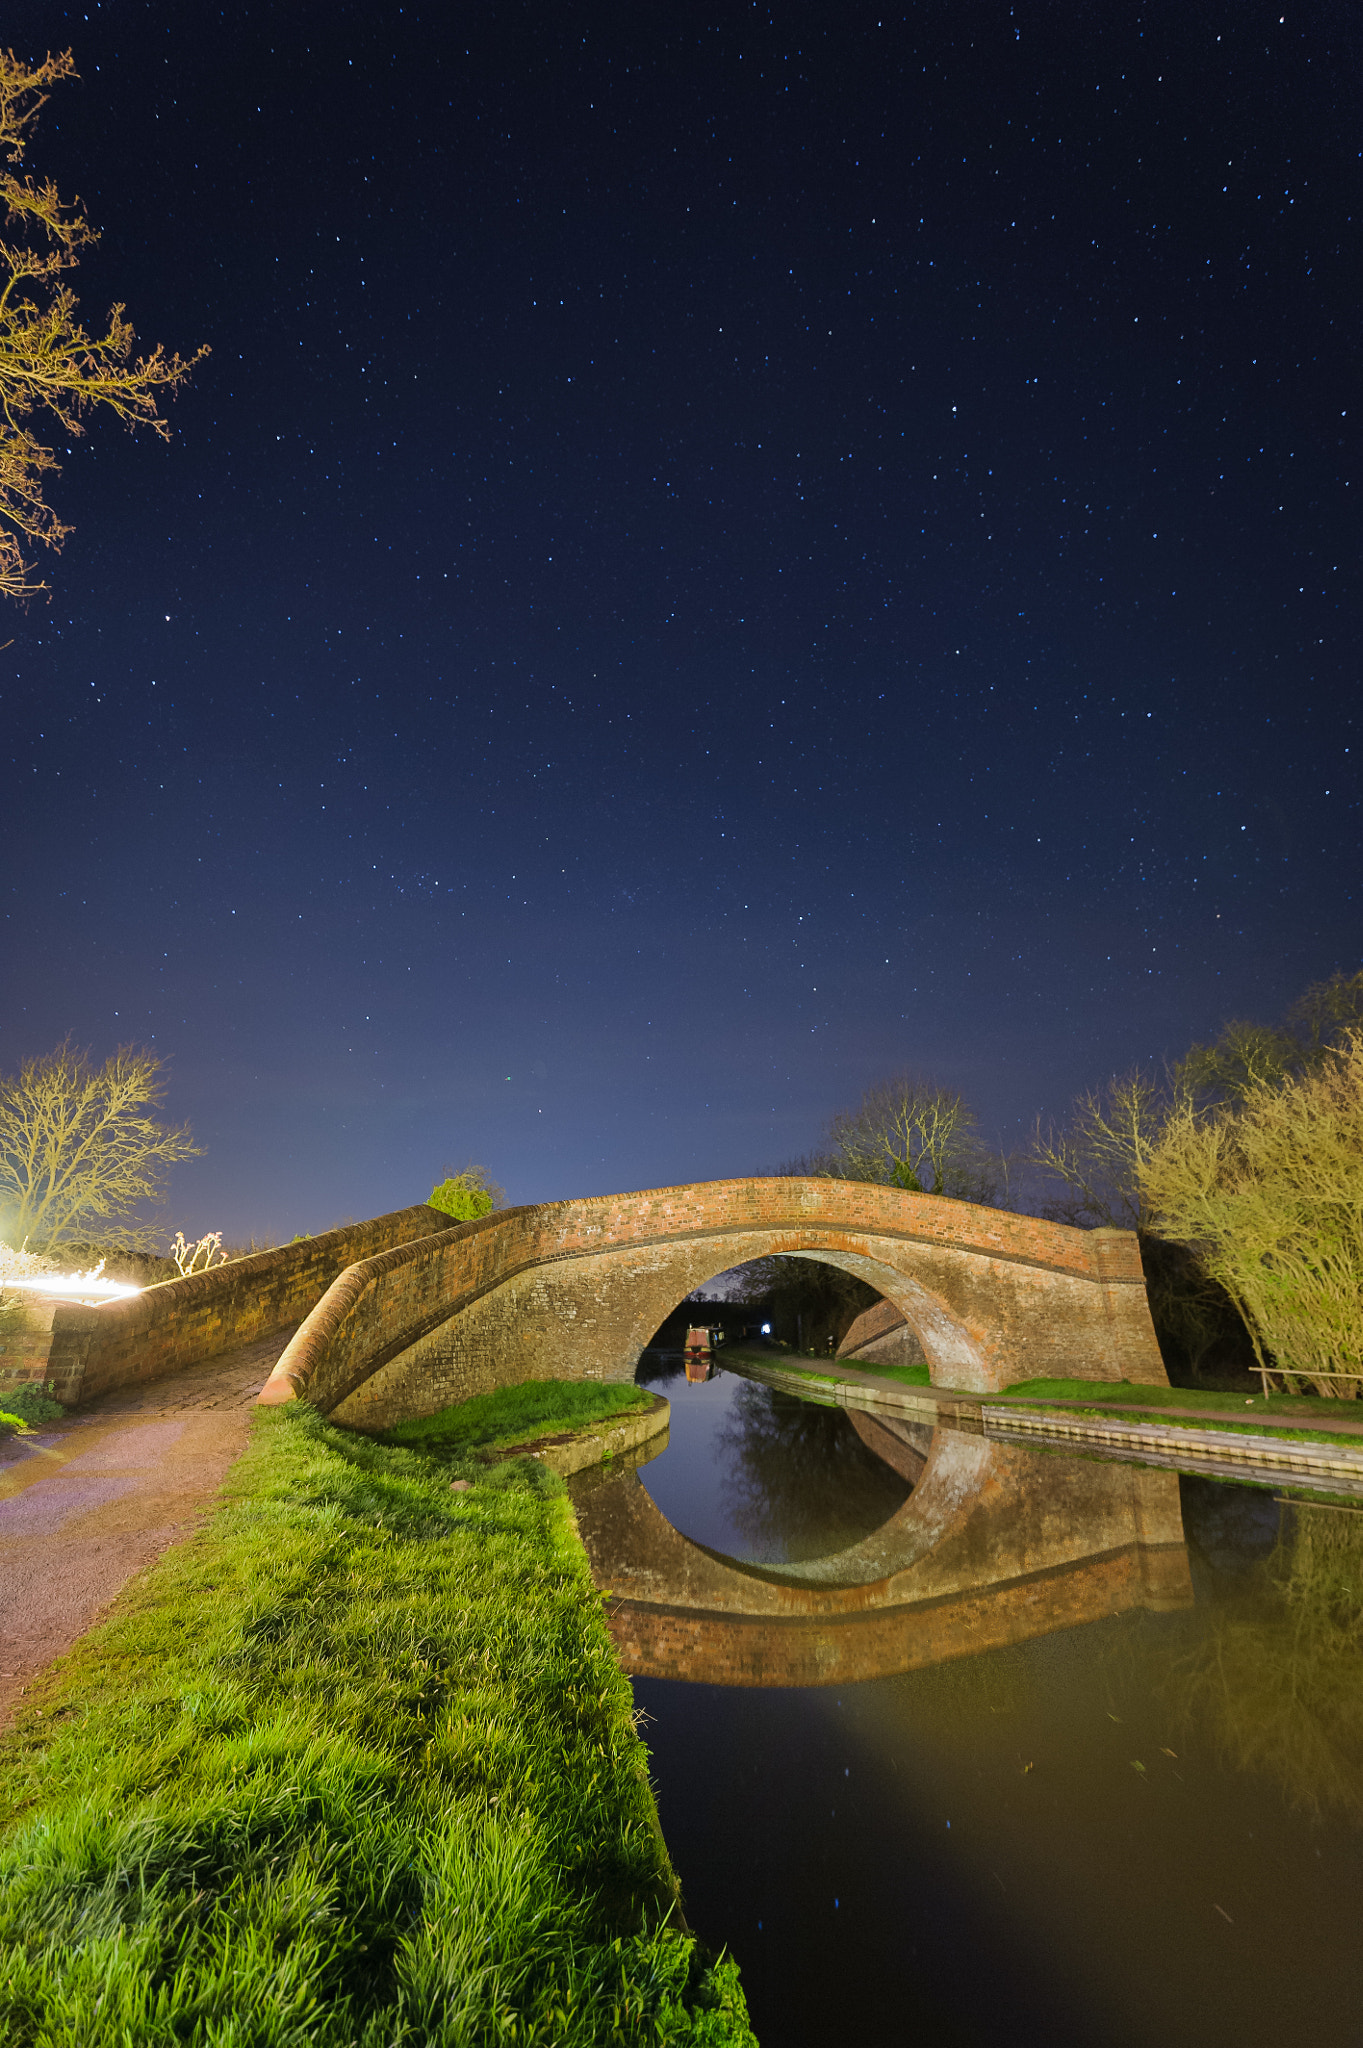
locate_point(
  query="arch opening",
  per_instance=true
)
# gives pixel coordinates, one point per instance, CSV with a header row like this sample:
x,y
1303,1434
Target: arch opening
x,y
755,1476
812,1319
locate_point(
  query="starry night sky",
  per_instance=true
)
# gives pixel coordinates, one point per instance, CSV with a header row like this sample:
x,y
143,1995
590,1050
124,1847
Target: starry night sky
x,y
718,553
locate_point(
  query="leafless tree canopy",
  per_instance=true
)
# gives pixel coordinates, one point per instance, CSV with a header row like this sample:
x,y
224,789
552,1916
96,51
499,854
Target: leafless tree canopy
x,y
911,1133
51,366
1097,1161
81,1150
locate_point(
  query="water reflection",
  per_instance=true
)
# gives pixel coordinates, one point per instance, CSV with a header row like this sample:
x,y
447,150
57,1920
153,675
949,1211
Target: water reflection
x,y
761,1476
831,1567
799,1480
1278,1676
1016,1788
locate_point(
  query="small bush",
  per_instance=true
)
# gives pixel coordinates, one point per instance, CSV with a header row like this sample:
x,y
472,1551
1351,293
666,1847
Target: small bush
x,y
462,1196
23,1406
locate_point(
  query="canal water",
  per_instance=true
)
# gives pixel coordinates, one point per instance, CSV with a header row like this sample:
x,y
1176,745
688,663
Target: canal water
x,y
1141,1827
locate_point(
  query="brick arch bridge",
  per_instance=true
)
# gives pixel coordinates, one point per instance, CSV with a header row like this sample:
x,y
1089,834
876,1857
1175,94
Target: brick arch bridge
x,y
574,1290
993,1546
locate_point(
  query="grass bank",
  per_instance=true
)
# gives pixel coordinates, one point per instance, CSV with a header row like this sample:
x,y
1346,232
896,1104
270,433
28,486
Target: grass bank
x,y
513,1415
906,1375
829,1370
354,1765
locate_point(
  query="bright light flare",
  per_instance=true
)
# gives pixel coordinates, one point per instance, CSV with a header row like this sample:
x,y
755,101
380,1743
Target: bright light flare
x,y
89,1287
75,1284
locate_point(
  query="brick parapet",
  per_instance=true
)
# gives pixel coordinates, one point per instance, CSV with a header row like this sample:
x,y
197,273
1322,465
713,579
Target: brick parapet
x,y
180,1322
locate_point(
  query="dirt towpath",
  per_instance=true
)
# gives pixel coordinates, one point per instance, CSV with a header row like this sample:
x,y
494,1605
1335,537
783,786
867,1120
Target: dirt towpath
x,y
87,1502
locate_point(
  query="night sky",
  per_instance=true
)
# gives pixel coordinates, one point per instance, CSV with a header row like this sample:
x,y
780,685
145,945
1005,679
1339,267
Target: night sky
x,y
718,553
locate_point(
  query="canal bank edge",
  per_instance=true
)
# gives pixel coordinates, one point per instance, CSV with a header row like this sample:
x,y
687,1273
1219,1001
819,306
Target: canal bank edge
x,y
575,1450
1280,1449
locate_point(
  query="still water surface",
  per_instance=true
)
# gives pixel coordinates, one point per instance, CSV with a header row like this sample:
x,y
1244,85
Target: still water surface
x,y
1140,1829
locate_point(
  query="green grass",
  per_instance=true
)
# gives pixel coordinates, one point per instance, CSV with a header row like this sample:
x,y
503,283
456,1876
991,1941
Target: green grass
x,y
354,1765
907,1375
833,1368
511,1415
1141,1395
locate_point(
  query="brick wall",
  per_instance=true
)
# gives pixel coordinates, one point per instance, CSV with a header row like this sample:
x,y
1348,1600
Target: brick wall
x,y
145,1336
881,1335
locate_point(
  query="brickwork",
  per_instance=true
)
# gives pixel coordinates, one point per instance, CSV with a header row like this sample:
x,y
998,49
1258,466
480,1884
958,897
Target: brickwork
x,y
575,1289
26,1341
181,1322
880,1336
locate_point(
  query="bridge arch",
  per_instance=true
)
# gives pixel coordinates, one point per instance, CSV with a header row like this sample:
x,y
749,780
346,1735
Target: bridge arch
x,y
575,1289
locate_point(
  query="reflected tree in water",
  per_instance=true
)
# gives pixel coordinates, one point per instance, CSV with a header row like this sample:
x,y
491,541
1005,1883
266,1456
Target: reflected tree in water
x,y
799,1482
1280,1673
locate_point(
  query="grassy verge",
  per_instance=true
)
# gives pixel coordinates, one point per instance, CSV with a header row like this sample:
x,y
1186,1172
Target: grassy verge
x,y
776,1361
907,1375
833,1368
514,1415
355,1765
1246,1414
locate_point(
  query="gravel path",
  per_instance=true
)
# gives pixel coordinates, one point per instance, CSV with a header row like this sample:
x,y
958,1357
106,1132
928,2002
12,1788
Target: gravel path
x,y
87,1502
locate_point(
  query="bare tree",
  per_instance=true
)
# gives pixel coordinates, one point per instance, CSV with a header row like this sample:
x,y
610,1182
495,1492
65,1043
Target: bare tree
x,y
49,363
1097,1157
80,1147
911,1133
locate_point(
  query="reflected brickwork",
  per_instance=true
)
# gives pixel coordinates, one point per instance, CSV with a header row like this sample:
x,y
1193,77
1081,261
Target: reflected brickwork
x,y
994,1546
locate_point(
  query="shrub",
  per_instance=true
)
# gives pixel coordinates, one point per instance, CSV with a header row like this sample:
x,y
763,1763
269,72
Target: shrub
x,y
1270,1191
465,1195
23,1406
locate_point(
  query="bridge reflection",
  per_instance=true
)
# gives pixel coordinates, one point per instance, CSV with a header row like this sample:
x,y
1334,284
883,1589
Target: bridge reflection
x,y
993,1546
